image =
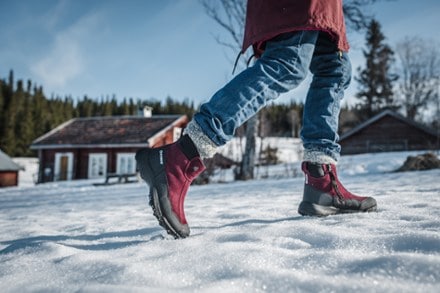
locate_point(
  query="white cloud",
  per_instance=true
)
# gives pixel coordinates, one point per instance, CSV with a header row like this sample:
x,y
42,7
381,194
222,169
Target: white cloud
x,y
63,63
66,59
55,15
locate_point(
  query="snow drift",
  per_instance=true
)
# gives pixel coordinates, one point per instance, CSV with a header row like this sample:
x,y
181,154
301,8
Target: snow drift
x,y
246,237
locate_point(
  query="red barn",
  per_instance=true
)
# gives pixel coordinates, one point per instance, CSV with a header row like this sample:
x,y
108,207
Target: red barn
x,y
96,146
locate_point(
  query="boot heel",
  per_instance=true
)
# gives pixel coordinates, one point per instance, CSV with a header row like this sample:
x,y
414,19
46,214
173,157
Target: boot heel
x,y
311,209
143,164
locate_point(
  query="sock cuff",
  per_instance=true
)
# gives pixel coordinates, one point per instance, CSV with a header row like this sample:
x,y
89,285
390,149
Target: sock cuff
x,y
205,146
318,157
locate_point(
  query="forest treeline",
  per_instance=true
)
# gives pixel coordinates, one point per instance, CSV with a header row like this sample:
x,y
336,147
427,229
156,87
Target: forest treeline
x,y
27,113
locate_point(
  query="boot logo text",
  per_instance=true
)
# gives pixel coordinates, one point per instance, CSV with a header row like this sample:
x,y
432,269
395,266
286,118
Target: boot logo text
x,y
161,157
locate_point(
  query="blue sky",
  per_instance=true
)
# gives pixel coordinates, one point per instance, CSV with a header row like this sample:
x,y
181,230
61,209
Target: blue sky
x,y
151,48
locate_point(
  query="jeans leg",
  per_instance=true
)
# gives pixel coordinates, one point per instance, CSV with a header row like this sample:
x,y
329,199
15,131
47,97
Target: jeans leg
x,y
281,68
331,71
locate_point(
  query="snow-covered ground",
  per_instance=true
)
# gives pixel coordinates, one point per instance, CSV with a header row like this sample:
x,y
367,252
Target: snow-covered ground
x,y
246,237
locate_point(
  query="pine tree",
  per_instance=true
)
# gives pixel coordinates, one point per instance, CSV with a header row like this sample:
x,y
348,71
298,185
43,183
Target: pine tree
x,y
2,110
6,136
375,80
85,107
24,124
124,108
12,119
39,106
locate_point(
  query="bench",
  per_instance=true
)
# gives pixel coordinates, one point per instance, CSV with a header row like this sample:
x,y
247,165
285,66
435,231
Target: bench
x,y
121,177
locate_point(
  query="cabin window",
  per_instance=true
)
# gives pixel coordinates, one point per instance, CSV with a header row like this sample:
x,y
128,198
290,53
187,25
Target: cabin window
x,y
126,163
97,165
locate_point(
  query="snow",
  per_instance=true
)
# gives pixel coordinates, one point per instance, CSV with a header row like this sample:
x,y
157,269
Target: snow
x,y
245,236
288,149
28,176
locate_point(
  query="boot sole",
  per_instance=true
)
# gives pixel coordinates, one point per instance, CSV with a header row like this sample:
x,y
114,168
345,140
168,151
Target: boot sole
x,y
155,205
155,202
311,209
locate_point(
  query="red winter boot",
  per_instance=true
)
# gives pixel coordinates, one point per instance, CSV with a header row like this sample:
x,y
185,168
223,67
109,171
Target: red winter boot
x,y
169,171
325,195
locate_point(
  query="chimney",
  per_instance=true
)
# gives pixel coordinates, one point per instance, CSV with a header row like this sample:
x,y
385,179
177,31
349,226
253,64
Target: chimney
x,y
147,112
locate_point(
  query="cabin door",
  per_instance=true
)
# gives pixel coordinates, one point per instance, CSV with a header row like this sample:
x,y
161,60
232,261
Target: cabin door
x,y
63,166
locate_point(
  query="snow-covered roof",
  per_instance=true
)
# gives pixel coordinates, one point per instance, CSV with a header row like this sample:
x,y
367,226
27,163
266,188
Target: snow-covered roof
x,y
6,163
110,131
380,116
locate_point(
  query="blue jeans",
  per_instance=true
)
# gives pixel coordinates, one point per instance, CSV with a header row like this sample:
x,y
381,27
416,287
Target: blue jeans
x,y
283,66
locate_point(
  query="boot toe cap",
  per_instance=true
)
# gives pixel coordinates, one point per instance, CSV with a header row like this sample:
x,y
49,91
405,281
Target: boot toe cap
x,y
369,204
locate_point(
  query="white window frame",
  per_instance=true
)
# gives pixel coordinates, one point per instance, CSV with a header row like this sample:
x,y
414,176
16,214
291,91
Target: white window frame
x,y
92,156
120,169
58,167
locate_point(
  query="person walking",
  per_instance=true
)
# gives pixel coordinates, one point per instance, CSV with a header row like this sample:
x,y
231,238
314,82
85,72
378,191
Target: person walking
x,y
289,39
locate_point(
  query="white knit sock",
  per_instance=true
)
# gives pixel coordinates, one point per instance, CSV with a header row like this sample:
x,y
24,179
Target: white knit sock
x,y
318,157
205,146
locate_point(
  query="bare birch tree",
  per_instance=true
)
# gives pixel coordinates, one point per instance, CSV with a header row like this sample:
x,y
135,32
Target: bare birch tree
x,y
419,76
230,15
